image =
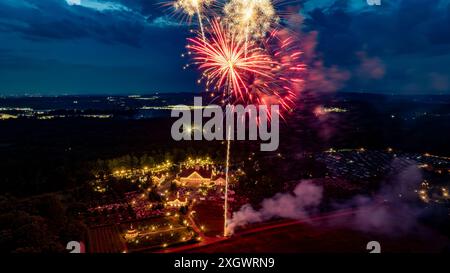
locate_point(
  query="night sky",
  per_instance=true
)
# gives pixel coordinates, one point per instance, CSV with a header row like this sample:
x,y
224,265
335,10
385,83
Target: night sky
x,y
132,46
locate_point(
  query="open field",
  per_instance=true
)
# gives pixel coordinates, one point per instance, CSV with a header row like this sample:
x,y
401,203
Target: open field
x,y
210,215
323,234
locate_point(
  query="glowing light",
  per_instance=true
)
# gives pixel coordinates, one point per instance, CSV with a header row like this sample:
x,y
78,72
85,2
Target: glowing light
x,y
193,7
250,18
287,72
243,60
227,63
246,73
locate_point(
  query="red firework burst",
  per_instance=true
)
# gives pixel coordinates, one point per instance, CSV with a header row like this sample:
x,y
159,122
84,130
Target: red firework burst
x,y
227,63
245,72
288,71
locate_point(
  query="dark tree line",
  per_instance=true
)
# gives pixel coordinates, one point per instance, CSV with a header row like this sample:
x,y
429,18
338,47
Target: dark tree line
x,y
41,224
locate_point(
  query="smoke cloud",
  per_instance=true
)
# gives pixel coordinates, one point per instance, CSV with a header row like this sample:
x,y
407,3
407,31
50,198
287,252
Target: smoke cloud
x,y
299,204
391,210
388,211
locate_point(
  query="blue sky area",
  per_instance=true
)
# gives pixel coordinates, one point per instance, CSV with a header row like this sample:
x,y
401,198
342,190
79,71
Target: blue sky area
x,y
133,46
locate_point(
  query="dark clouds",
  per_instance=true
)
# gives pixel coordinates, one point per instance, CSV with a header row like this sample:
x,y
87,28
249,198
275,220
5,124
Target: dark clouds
x,y
49,46
401,46
55,19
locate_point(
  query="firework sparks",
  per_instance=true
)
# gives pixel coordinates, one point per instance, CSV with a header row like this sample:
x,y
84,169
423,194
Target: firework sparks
x,y
250,18
287,73
228,64
193,7
246,73
243,59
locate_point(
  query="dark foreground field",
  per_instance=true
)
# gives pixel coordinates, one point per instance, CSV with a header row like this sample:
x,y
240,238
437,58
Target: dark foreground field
x,y
324,234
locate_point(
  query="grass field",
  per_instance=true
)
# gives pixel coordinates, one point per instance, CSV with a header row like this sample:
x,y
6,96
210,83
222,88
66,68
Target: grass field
x,y
209,215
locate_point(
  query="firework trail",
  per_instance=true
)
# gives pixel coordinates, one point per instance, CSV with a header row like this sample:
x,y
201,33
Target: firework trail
x,y
249,73
225,64
245,56
227,178
192,8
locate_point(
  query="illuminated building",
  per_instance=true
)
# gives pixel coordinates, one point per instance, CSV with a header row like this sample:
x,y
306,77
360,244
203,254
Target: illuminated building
x,y
198,176
195,177
177,203
131,234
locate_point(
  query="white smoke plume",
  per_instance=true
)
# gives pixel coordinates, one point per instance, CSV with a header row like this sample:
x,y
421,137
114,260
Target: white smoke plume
x,y
397,214
299,204
388,211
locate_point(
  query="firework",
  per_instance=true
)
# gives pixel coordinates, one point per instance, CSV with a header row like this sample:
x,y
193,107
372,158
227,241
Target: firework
x,y
250,18
244,57
193,7
287,73
244,72
227,63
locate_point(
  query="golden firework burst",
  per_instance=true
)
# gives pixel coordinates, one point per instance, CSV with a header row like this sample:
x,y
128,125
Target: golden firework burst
x,y
250,18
